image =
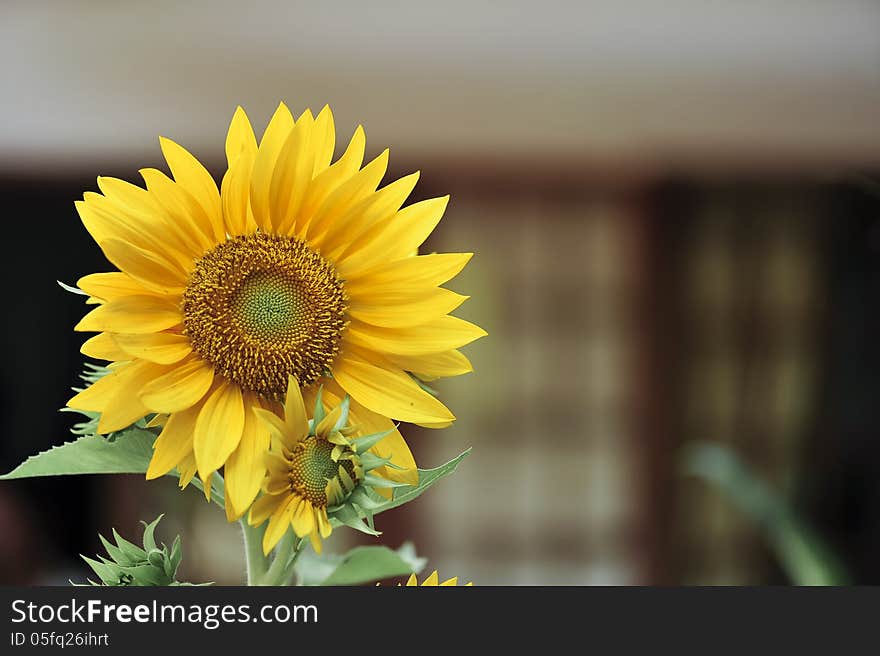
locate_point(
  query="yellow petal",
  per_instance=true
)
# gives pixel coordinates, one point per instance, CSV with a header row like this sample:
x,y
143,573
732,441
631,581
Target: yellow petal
x,y
240,139
323,140
103,347
315,540
436,336
365,214
162,348
245,467
327,181
174,444
389,392
276,427
186,218
345,197
303,519
115,395
150,270
189,173
159,419
263,507
329,420
182,387
279,523
323,522
295,416
273,140
132,314
131,199
392,446
432,579
235,192
407,311
435,365
187,470
107,220
218,428
113,285
398,237
412,581
406,275
292,175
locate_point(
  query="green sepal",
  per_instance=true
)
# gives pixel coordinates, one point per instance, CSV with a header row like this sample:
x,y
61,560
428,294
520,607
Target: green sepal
x,y
418,381
371,461
156,558
318,415
362,498
366,442
343,414
115,552
108,575
367,503
348,516
377,481
173,562
149,531
132,552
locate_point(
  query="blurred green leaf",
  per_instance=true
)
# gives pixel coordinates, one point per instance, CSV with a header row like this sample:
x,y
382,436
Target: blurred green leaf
x,y
427,478
804,556
366,564
131,565
130,453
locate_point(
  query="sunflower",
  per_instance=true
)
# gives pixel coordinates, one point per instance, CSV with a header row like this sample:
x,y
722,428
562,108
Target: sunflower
x,y
312,466
433,580
296,267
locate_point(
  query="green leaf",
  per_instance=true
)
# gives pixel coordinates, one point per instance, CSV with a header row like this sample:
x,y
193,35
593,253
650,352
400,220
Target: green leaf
x,y
365,564
427,478
803,554
130,453
312,569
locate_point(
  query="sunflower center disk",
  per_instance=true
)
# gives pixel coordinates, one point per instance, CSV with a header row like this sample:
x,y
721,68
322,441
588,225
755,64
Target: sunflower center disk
x,y
312,466
261,307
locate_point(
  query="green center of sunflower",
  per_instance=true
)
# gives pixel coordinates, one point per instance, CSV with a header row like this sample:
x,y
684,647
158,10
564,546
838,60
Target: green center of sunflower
x,y
260,308
312,466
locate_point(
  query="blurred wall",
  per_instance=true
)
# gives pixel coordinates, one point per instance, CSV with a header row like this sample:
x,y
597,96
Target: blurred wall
x,y
685,81
663,199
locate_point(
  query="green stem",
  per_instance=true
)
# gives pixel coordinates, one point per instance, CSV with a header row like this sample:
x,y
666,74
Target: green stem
x,y
257,563
286,553
287,575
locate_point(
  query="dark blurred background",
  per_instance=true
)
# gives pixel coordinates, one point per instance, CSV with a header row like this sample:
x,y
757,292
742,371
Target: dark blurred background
x,y
675,211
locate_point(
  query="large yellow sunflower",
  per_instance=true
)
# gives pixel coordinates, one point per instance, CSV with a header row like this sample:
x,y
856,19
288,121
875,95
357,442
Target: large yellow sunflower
x,y
295,267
